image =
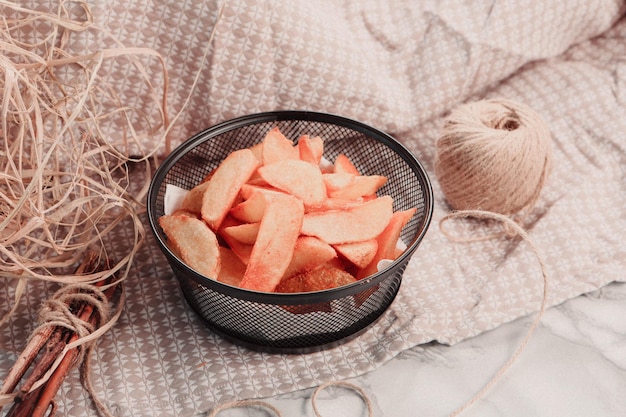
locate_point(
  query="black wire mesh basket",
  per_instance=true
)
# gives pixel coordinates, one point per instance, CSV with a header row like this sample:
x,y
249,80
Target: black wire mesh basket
x,y
296,322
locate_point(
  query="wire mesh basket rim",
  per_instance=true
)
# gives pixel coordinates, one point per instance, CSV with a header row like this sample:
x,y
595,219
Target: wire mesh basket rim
x,y
287,115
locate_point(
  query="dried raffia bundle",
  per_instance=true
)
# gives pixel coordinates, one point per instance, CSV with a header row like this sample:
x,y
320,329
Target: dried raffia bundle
x,y
64,182
69,145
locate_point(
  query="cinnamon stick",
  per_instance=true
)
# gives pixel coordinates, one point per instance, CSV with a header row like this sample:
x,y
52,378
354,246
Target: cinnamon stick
x,y
37,402
55,345
46,399
26,358
39,339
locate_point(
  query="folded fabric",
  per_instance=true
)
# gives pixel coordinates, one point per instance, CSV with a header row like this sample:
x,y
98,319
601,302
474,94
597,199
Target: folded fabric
x,y
399,66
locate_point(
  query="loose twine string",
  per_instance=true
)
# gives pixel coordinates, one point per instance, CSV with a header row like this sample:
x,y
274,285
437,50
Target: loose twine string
x,y
493,158
511,229
514,228
264,404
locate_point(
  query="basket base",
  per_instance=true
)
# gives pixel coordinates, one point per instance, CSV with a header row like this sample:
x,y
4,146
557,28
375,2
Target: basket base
x,y
295,345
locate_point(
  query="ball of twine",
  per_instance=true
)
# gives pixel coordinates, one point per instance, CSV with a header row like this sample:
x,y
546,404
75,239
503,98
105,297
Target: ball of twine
x,y
493,158
493,155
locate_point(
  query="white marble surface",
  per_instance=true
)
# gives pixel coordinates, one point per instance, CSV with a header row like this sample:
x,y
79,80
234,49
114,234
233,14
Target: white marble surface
x,y
574,365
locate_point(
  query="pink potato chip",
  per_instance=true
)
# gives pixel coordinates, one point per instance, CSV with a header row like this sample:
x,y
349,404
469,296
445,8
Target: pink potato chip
x,y
242,250
350,187
296,177
354,224
308,253
363,185
345,165
232,267
257,150
194,242
311,149
268,191
223,187
337,181
251,209
360,254
323,277
275,243
193,199
276,147
388,241
336,204
245,233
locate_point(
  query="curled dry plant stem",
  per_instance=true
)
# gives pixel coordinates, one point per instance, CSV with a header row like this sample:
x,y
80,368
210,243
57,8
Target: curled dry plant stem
x,y
68,144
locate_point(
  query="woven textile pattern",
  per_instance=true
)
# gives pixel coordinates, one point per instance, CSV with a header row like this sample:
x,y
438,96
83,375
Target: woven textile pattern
x,y
399,66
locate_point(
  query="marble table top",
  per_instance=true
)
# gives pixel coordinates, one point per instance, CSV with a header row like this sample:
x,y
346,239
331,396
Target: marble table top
x,y
573,365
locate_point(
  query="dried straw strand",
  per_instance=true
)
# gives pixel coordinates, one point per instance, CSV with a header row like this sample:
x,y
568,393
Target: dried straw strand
x,y
69,146
64,179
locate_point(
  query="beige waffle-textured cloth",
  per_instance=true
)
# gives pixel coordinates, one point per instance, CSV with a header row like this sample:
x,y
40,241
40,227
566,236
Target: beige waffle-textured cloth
x,y
399,66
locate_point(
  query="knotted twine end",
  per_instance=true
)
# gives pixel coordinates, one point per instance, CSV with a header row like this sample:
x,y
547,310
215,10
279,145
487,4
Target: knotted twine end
x,y
57,312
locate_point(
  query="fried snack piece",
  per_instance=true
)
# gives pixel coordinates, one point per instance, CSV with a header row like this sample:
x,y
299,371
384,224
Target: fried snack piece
x,y
347,186
354,224
193,199
223,187
311,149
309,253
245,233
323,277
194,242
276,147
298,178
241,250
251,209
232,268
360,254
345,165
275,243
388,241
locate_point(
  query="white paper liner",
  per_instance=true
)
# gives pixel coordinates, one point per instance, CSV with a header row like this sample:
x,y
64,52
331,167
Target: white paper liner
x,y
173,198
